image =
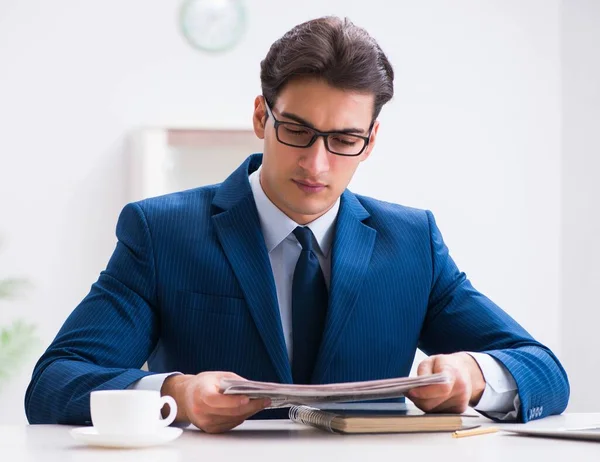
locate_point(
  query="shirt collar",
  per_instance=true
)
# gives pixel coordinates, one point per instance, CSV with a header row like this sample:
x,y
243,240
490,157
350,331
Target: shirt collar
x,y
277,226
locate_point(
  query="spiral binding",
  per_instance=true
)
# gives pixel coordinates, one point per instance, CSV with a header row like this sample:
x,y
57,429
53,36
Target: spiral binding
x,y
311,416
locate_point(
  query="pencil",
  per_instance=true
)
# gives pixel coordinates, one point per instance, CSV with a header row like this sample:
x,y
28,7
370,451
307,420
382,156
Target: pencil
x,y
474,431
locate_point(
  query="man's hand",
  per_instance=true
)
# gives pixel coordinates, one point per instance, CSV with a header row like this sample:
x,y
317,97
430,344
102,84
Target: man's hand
x,y
465,388
200,402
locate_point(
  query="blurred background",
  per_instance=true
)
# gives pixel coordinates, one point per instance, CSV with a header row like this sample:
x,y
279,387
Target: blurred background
x,y
495,127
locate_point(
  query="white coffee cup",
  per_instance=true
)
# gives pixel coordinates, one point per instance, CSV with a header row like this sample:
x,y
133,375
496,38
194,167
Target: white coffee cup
x,y
130,412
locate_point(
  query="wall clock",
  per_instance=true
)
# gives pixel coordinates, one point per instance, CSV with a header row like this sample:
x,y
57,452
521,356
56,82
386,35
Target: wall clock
x,y
212,25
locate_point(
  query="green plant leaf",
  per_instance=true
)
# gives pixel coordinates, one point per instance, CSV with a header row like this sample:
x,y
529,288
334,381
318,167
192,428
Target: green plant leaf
x,y
16,343
10,288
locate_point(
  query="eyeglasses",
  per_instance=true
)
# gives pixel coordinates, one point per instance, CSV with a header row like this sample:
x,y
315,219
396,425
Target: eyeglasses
x,y
301,136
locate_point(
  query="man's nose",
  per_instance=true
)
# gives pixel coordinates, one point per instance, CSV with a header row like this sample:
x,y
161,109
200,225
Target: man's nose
x,y
316,158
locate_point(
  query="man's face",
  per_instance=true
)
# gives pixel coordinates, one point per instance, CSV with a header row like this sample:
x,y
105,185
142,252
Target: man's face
x,y
304,183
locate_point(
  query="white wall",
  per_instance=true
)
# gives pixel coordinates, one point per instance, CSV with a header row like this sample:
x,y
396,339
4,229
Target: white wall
x,y
473,134
580,26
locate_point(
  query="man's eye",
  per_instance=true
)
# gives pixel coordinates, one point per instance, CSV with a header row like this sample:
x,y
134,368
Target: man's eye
x,y
345,140
296,131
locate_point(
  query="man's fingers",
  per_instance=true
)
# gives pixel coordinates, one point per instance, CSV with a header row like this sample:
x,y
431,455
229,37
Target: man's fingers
x,y
453,396
209,409
230,375
221,426
219,423
432,391
456,404
250,408
440,364
440,400
254,406
445,397
219,400
434,365
428,405
432,405
426,366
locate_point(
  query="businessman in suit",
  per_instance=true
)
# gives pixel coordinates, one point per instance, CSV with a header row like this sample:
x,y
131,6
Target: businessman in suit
x,y
282,274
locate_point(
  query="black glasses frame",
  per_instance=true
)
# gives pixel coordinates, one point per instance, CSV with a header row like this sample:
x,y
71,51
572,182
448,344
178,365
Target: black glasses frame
x,y
317,134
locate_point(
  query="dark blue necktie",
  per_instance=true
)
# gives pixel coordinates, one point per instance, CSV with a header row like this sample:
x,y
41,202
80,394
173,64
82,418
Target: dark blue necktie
x,y
309,307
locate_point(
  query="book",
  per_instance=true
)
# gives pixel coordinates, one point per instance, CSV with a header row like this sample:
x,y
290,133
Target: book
x,y
283,395
380,420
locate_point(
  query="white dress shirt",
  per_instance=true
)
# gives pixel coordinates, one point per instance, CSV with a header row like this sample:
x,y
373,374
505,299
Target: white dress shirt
x,y
500,397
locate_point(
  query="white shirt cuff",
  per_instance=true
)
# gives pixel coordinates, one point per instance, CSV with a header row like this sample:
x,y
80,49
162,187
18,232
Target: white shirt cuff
x,y
152,382
501,394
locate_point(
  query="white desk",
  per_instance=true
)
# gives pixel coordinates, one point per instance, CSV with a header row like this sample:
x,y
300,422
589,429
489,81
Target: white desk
x,y
285,441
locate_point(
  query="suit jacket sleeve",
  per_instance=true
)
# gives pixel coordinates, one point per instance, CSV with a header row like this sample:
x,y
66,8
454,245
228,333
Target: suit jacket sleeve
x,y
459,318
107,338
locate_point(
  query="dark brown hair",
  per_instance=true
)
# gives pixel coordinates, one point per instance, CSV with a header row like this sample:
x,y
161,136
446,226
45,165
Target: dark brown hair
x,y
333,49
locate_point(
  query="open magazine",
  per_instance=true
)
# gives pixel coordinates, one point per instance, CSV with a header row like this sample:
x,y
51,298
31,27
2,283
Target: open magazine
x,y
283,395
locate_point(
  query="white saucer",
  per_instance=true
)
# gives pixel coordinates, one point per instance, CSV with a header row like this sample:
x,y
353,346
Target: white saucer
x,y
90,436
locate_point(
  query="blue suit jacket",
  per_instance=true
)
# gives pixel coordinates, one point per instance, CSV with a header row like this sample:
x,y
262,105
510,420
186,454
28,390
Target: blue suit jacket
x,y
190,288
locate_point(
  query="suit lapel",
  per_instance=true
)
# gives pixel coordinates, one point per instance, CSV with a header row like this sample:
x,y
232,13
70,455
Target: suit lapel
x,y
351,254
238,229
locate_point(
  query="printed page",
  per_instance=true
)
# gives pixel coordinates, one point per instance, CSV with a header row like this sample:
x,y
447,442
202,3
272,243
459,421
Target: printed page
x,y
291,394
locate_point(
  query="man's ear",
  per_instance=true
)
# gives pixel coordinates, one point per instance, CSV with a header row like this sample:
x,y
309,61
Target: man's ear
x,y
259,118
372,141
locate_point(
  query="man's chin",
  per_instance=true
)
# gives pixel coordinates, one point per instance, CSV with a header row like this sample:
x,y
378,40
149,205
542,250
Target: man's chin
x,y
313,210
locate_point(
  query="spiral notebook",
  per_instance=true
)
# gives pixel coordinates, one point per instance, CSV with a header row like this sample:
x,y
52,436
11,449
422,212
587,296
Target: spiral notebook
x,y
377,420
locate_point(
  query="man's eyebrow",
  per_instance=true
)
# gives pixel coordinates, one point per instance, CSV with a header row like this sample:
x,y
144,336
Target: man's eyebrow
x,y
300,120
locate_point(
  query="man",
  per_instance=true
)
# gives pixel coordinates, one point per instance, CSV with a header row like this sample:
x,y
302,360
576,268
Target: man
x,y
282,274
